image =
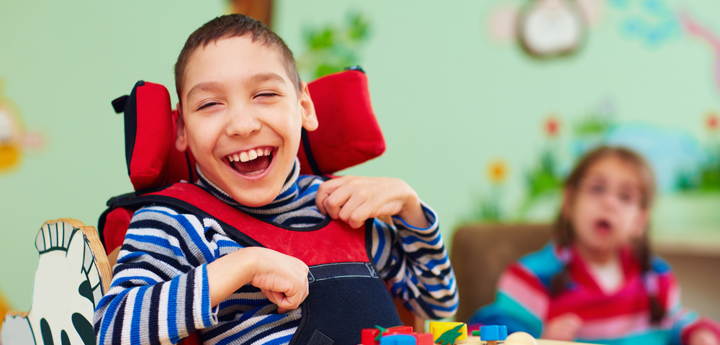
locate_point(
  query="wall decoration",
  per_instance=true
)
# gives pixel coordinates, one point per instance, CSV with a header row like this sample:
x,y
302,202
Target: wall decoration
x,y
543,180
330,49
72,275
488,207
550,28
703,33
669,151
680,161
14,139
546,28
651,21
704,175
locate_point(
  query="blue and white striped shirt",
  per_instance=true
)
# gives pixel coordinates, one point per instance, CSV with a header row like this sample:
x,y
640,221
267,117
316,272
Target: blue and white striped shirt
x,y
159,293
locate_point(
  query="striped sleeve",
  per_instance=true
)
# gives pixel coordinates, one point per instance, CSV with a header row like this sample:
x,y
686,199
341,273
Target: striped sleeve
x,y
683,322
159,293
415,265
522,298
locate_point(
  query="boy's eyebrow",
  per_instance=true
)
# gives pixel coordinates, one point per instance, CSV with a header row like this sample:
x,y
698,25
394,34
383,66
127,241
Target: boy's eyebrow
x,y
261,77
208,85
255,79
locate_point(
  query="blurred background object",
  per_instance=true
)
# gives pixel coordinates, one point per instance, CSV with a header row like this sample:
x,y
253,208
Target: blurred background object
x,y
258,9
480,126
14,138
4,305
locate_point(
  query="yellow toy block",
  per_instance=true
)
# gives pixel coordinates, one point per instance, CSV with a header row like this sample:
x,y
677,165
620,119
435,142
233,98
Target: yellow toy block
x,y
438,328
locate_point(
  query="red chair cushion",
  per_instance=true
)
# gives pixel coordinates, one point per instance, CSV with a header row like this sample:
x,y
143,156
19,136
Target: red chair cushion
x,y
348,133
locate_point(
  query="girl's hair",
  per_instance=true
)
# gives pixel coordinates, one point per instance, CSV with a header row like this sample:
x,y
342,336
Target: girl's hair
x,y
565,234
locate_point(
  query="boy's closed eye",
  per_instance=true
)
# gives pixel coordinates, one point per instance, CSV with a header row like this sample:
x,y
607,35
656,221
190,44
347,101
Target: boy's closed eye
x,y
267,96
207,105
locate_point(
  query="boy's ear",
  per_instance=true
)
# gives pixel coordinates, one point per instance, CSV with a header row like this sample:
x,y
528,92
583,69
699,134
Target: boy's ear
x,y
181,141
307,108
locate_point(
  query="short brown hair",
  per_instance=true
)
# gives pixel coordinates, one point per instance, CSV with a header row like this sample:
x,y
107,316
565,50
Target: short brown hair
x,y
233,25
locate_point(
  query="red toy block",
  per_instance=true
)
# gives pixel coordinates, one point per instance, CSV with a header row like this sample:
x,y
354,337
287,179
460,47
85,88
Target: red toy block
x,y
424,338
368,335
398,330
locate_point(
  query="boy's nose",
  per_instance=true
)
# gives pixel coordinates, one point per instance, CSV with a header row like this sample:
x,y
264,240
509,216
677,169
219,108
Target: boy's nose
x,y
242,122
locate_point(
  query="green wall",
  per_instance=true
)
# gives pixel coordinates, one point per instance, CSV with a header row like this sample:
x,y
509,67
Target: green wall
x,y
62,62
448,97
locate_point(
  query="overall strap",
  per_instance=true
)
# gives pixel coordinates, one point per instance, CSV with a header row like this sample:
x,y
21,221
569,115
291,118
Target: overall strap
x,y
328,242
346,293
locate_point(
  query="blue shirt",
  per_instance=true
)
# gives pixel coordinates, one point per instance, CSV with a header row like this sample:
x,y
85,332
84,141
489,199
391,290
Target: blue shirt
x,y
159,292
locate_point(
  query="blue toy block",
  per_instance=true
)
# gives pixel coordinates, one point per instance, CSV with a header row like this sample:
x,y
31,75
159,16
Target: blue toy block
x,y
493,333
398,339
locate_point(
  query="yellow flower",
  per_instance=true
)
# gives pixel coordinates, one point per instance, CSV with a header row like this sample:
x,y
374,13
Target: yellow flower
x,y
497,171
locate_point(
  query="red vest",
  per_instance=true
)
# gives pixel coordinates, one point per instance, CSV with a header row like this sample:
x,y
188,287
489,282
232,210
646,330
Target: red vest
x,y
345,296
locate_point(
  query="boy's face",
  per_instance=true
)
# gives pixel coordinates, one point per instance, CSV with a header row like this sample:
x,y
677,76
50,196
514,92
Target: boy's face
x,y
241,116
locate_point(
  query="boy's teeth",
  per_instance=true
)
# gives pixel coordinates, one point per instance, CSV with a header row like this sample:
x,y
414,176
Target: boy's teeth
x,y
249,155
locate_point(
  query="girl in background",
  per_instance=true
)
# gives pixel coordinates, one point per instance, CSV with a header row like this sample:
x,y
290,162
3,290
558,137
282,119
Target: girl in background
x,y
597,281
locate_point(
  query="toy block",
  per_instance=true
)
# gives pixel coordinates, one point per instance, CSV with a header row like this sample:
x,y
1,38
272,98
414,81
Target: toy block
x,y
369,336
398,339
493,334
398,330
447,333
424,338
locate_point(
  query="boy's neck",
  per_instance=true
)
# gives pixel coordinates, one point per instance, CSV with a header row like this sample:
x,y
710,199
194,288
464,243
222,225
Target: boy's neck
x,y
224,196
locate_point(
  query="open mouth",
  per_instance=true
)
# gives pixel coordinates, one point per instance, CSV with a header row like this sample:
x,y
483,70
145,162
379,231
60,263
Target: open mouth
x,y
603,226
251,162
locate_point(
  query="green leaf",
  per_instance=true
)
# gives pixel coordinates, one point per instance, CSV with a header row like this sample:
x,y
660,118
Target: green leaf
x,y
322,39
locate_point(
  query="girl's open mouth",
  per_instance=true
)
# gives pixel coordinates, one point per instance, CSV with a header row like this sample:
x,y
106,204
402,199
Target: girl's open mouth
x,y
603,226
251,162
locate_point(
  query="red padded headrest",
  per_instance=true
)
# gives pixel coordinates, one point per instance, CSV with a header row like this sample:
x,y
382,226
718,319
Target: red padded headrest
x,y
348,133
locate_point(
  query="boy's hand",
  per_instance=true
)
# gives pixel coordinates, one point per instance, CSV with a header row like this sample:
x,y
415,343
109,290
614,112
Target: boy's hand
x,y
283,279
563,327
354,199
703,336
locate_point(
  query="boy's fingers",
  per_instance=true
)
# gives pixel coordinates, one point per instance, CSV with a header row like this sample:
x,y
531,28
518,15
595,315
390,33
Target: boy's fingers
x,y
359,215
283,301
274,296
325,189
349,208
335,201
294,300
